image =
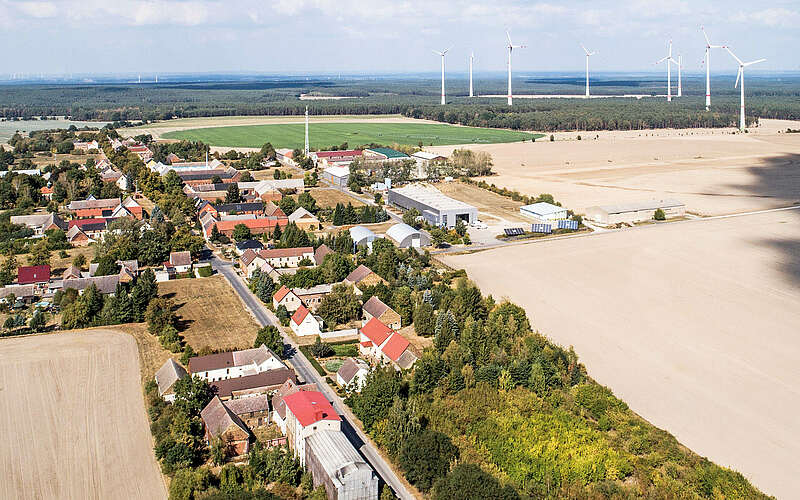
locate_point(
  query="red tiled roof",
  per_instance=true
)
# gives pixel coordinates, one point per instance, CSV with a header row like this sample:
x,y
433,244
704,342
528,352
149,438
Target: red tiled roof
x,y
299,315
87,222
334,154
46,190
310,407
27,275
260,223
285,252
281,293
366,343
395,347
376,331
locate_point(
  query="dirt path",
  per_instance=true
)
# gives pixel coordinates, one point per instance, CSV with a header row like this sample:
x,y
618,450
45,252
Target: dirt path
x,y
693,324
73,419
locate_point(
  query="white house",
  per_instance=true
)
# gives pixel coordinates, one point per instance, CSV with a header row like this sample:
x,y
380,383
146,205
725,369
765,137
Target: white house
x,y
287,298
545,212
287,257
227,365
308,412
353,371
304,323
181,261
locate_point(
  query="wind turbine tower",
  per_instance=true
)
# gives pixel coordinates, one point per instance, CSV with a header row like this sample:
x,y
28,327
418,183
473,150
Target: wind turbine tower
x,y
740,77
471,60
680,66
588,55
708,66
511,47
306,145
442,54
669,60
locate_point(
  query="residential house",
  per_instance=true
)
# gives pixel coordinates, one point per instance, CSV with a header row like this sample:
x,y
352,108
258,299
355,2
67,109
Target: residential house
x,y
287,257
142,151
181,261
91,208
253,411
128,270
375,308
39,223
86,146
312,297
133,207
287,298
220,210
303,323
220,422
93,228
249,262
26,294
273,210
243,246
166,376
353,371
372,336
125,183
78,238
305,220
253,385
320,253
258,225
279,407
72,271
106,285
226,365
385,346
38,276
363,277
308,412
46,192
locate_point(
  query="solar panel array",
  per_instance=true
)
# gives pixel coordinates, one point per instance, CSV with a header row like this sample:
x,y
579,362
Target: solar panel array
x,y
568,224
514,231
541,228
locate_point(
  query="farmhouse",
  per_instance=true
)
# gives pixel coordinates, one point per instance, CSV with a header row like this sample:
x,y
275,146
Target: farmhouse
x,y
362,276
339,176
220,422
242,246
382,344
405,236
250,262
304,220
166,376
253,208
308,412
304,323
544,212
279,407
91,208
38,276
311,297
287,257
253,411
375,308
326,159
353,371
320,253
253,385
40,223
436,208
226,365
286,298
106,285
258,225
181,261
634,212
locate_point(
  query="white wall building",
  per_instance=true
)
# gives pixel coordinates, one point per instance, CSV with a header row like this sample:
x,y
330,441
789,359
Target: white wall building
x,y
227,365
545,212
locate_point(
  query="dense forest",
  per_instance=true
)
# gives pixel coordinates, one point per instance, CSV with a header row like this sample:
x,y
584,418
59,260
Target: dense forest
x,y
767,98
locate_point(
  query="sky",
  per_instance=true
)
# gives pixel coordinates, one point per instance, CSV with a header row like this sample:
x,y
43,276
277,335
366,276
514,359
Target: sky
x,y
386,36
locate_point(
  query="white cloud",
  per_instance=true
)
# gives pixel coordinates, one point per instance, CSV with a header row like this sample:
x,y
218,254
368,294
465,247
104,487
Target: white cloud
x,y
39,10
774,17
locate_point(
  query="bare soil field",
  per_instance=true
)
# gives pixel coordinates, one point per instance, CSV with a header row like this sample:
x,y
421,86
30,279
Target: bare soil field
x,y
490,205
329,197
694,324
713,171
211,312
74,419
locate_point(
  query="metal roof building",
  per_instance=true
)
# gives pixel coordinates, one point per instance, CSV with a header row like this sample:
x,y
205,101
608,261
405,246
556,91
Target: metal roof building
x,y
334,462
436,208
405,236
544,211
362,236
634,212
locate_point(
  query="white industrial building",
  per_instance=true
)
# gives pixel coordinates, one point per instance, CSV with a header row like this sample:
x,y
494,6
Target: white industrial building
x,y
339,176
362,236
405,236
435,207
545,212
629,213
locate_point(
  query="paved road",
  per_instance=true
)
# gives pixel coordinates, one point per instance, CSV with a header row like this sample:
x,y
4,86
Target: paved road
x,y
304,369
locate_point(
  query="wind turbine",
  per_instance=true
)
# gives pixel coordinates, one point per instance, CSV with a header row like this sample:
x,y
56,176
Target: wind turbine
x,y
471,60
669,61
679,63
511,47
442,53
740,76
588,55
708,66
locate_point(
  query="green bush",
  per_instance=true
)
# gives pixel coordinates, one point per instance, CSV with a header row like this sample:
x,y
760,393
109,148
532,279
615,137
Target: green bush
x,y
205,271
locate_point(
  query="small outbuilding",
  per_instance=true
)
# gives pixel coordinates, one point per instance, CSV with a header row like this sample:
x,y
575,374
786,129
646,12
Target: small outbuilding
x,y
166,376
405,236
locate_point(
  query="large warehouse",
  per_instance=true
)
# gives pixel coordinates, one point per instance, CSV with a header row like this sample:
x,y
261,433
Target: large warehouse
x,y
634,212
436,208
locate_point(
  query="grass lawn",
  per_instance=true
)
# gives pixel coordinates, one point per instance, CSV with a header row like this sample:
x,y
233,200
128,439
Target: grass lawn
x,y
324,135
211,312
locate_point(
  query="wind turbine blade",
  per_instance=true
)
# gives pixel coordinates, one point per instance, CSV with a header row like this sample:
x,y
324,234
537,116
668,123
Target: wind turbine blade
x,y
708,42
738,75
670,49
447,50
508,35
585,50
753,62
733,55
437,52
662,60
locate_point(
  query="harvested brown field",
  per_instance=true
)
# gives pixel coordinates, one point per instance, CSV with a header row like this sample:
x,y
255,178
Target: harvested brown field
x,y
74,419
712,171
694,324
490,205
211,312
329,197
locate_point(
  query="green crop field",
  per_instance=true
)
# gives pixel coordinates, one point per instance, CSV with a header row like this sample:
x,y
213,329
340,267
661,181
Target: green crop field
x,y
324,135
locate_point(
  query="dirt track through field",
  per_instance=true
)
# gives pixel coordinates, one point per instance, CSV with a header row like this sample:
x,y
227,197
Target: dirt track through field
x,y
73,419
694,324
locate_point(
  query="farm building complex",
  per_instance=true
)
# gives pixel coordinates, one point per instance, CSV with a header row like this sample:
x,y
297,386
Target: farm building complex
x,y
436,208
634,212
